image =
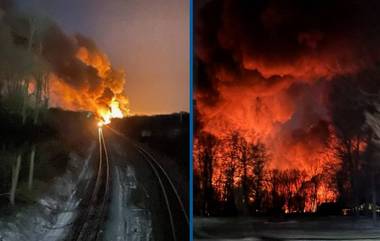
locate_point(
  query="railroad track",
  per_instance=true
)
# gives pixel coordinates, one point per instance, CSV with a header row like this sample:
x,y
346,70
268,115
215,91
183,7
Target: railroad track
x,y
177,215
88,226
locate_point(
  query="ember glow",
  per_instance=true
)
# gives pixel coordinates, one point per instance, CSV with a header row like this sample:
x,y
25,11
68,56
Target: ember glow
x,y
268,71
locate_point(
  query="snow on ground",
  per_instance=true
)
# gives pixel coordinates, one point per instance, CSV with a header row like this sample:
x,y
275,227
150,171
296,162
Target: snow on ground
x,y
51,217
128,219
244,229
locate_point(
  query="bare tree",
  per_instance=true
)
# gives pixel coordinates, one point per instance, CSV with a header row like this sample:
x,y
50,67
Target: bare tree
x,y
230,164
15,177
37,26
259,158
251,158
205,156
347,108
245,164
373,122
19,65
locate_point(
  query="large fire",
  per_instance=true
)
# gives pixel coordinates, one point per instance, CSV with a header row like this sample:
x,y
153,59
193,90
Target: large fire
x,y
114,111
266,74
92,84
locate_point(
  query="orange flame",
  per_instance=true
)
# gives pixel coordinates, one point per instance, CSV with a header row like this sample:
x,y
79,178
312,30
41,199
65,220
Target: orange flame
x,y
114,111
103,97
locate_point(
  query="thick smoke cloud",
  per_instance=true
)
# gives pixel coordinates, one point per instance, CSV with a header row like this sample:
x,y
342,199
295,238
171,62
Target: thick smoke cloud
x,y
60,50
269,67
78,62
80,75
268,42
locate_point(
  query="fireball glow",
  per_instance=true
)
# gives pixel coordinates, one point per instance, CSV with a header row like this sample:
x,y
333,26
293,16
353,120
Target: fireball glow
x,y
113,111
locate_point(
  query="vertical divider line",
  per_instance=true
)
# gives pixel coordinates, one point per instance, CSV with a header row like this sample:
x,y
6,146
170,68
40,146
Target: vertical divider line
x,y
191,129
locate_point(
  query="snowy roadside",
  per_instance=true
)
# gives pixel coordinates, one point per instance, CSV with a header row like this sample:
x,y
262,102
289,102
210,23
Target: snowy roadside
x,y
51,217
244,229
128,218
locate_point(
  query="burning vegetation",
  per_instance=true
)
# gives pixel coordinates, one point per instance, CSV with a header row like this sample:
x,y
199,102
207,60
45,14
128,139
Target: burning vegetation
x,y
284,91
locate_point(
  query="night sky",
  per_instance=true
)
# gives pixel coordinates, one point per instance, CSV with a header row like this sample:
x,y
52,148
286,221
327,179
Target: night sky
x,y
148,38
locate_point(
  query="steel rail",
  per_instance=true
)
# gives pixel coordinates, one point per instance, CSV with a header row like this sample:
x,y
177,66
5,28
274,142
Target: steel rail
x,y
107,181
161,175
164,192
170,182
85,228
161,169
